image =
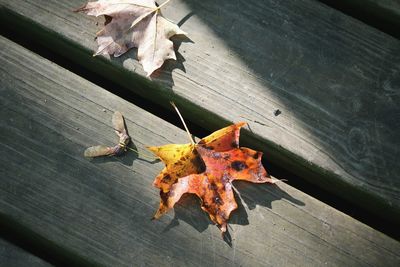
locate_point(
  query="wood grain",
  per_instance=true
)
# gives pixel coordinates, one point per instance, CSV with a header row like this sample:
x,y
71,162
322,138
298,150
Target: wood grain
x,y
382,14
334,79
13,256
100,209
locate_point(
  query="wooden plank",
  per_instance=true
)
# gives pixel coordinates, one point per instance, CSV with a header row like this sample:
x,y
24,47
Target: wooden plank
x,y
382,14
334,79
386,10
100,210
13,256
391,7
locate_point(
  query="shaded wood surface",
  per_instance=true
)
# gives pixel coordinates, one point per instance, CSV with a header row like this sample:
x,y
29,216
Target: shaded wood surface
x,y
382,14
13,256
100,209
335,81
388,10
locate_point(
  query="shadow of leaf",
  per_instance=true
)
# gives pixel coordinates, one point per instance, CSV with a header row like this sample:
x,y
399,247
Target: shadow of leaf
x,y
185,18
188,209
164,74
263,194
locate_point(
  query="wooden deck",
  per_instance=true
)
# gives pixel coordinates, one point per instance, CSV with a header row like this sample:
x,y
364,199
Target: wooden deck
x,y
11,255
381,14
334,79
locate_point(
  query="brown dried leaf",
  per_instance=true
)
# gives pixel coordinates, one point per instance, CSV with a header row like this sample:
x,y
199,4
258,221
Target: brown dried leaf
x,y
134,23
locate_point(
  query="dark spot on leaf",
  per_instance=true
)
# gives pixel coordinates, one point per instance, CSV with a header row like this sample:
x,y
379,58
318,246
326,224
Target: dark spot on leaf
x,y
235,144
166,178
198,163
277,112
255,156
238,165
164,197
212,186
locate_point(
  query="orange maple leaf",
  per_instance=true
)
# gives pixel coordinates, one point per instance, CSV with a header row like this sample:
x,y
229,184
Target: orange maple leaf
x,y
207,169
183,159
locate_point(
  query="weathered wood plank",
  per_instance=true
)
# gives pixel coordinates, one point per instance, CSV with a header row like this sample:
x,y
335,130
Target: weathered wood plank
x,y
13,256
391,7
335,80
101,209
382,14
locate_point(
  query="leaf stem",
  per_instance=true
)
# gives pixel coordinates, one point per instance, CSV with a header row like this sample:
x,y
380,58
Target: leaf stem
x,y
163,4
184,124
140,18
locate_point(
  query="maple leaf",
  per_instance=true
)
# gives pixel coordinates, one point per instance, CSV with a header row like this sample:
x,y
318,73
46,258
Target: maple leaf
x,y
134,23
183,159
219,161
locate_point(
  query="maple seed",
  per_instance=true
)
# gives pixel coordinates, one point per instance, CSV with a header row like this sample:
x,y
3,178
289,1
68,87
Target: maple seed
x,y
122,146
134,23
124,139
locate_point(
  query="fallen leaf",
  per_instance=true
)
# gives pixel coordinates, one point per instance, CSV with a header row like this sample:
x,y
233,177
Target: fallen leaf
x,y
218,162
183,159
134,23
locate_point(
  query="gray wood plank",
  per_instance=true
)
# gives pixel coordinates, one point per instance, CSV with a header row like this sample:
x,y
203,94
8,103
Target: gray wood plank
x,y
390,6
383,14
334,79
13,256
100,209
386,10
